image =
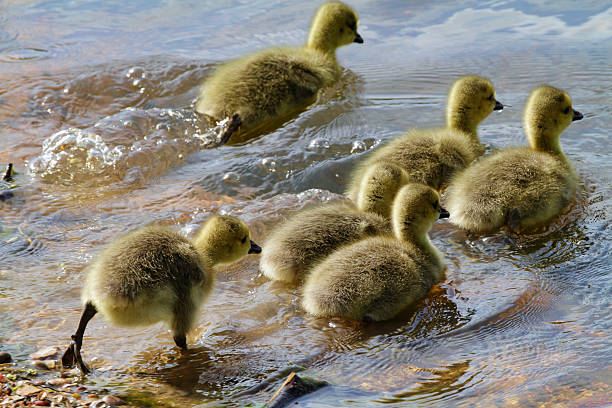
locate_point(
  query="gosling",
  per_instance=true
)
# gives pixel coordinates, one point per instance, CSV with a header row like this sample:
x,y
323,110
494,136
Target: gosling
x,y
270,86
155,274
376,278
432,156
311,235
520,187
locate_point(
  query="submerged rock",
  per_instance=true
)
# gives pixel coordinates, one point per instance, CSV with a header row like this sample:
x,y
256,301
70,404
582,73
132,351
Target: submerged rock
x,y
5,357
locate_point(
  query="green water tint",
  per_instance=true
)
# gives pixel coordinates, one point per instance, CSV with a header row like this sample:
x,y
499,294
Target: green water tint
x,y
519,319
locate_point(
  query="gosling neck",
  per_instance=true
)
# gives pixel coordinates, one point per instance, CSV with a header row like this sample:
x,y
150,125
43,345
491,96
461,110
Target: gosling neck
x,y
543,140
459,121
406,231
318,40
207,250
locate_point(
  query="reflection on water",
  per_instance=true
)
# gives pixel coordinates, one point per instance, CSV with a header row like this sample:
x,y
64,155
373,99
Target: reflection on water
x,y
96,113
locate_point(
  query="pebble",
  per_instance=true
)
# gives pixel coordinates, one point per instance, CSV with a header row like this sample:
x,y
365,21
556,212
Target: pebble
x,y
45,353
5,357
112,400
58,381
44,364
42,403
26,390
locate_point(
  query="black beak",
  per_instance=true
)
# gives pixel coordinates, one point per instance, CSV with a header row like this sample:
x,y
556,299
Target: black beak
x,y
443,213
498,105
358,39
577,115
254,249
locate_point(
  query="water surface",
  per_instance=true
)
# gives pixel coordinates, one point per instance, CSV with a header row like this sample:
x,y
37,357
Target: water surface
x,y
96,113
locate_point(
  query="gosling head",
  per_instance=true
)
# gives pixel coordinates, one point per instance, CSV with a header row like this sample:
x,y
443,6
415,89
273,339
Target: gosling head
x,y
470,100
548,112
415,209
225,239
334,25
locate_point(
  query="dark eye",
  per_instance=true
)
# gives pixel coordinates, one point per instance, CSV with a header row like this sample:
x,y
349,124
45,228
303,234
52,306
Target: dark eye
x,y
352,25
491,97
435,205
566,110
243,240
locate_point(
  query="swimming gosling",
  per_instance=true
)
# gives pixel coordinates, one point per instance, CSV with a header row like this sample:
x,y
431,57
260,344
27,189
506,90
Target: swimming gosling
x,y
377,277
269,86
156,274
311,235
521,187
432,156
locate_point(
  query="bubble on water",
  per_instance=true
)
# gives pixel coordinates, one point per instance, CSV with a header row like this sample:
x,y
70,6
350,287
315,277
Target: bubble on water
x,y
319,143
358,147
136,72
73,152
231,177
269,164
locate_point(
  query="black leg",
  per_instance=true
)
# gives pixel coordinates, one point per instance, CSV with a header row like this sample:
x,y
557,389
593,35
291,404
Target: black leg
x,y
181,341
234,124
72,355
514,221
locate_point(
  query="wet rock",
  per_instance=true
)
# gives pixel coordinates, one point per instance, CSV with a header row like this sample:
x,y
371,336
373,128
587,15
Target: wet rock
x,y
46,354
45,364
58,381
112,400
5,357
293,388
26,390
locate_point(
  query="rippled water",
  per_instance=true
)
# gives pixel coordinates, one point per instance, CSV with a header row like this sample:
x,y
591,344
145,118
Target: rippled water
x,y
96,113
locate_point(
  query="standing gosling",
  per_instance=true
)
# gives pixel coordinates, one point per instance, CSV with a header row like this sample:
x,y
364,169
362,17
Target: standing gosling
x,y
522,187
377,277
432,156
155,274
312,234
274,84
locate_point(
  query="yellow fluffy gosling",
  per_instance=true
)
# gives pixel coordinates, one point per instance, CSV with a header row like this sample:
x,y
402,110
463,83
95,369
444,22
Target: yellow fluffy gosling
x,y
267,87
156,274
311,235
379,185
432,156
522,187
377,277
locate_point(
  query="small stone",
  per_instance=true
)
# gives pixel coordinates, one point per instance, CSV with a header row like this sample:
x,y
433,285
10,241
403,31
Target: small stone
x,y
112,400
44,364
27,389
41,403
81,388
44,354
97,404
58,381
5,357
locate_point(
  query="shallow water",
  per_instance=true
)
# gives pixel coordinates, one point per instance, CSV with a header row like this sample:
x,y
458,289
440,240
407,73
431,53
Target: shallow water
x,y
96,113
